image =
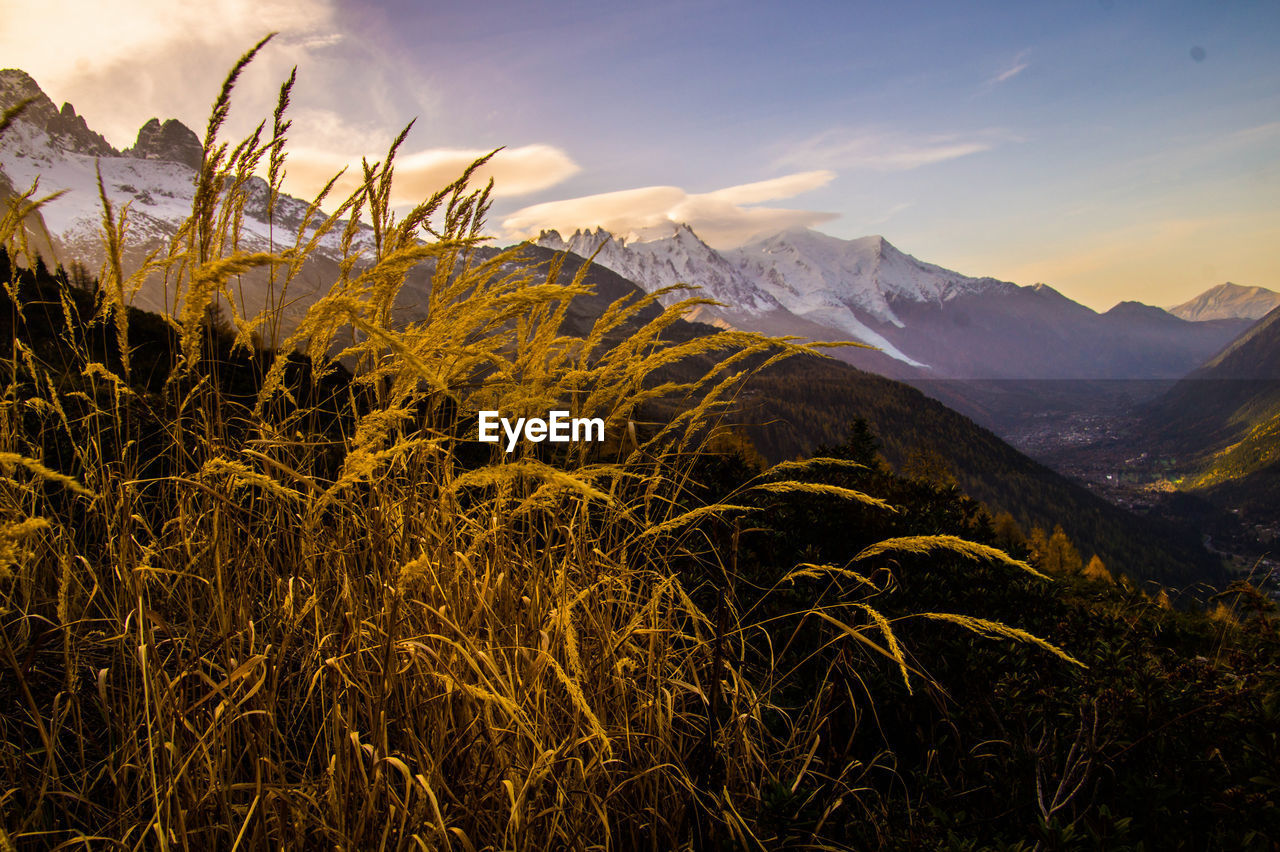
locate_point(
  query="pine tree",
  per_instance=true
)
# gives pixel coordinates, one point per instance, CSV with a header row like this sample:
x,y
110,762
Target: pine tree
x,y
82,280
861,446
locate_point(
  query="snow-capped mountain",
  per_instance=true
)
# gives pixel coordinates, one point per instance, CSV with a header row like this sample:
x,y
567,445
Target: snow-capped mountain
x,y
68,130
755,295
155,177
813,273
851,285
1228,301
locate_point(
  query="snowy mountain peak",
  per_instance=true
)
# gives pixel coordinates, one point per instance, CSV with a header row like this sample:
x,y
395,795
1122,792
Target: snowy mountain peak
x,y
816,272
170,141
580,242
780,277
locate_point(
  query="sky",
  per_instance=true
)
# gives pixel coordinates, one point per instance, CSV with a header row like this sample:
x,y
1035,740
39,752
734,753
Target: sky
x,y
1113,150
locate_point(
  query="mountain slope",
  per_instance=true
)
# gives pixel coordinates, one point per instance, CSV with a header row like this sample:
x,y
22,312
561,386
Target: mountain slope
x,y
35,232
1037,333
1221,424
1228,301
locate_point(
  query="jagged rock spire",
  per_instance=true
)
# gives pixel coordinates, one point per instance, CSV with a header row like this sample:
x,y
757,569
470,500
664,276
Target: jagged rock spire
x,y
172,141
68,130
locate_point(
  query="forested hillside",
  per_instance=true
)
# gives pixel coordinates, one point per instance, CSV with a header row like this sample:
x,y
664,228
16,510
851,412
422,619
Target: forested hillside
x,y
797,405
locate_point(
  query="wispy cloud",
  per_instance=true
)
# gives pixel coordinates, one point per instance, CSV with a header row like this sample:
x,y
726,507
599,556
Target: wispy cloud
x,y
724,218
786,186
1016,67
881,218
1259,133
888,150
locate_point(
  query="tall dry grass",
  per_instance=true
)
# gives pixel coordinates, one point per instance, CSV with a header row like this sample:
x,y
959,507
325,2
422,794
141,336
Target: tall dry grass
x,y
269,622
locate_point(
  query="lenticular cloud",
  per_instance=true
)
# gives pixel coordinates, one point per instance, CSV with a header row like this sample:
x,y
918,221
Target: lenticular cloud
x,y
723,218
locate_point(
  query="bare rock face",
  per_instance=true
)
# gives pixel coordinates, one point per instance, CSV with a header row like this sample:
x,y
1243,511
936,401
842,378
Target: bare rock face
x,y
172,141
68,130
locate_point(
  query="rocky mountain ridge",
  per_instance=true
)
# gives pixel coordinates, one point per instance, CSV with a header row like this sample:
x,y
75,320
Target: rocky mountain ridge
x,y
155,177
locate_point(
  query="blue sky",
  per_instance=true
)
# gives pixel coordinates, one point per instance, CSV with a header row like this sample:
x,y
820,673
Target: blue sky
x,y
1114,150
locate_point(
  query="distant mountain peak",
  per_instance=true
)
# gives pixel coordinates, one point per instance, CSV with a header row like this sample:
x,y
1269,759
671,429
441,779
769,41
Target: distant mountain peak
x,y
1130,310
1228,301
1042,289
667,254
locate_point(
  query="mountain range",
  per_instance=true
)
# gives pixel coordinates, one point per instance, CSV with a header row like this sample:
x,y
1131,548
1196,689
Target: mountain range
x,y
926,322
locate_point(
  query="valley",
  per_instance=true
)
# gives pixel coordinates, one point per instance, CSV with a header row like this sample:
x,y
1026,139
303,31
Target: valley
x,y
1099,445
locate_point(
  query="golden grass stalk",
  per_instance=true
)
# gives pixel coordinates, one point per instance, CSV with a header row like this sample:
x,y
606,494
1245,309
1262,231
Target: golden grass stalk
x,y
931,544
1004,631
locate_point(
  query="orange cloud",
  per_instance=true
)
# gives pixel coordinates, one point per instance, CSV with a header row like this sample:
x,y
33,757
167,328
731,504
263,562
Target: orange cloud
x,y
515,171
